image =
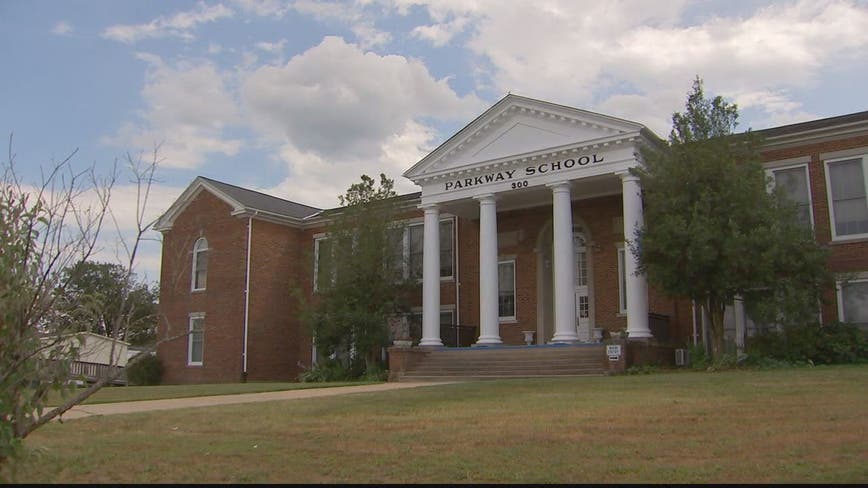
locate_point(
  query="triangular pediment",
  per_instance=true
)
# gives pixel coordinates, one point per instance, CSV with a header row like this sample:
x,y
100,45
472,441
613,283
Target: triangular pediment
x,y
518,125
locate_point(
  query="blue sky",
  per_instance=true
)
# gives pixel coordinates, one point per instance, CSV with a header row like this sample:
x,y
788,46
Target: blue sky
x,y
298,98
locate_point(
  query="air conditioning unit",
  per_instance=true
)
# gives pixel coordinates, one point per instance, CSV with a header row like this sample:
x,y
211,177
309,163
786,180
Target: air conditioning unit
x,y
682,357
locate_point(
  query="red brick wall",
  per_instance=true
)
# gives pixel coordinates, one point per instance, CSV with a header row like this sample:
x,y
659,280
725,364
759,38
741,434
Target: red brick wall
x,y
277,340
851,256
222,301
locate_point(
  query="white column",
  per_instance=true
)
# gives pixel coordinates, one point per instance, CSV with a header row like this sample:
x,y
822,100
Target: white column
x,y
431,278
637,287
564,266
489,327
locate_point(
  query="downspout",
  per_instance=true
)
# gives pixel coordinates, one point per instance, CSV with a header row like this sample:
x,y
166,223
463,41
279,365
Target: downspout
x,y
247,298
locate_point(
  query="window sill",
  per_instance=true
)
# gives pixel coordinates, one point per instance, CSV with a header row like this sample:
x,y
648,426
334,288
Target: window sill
x,y
197,290
194,365
507,320
849,240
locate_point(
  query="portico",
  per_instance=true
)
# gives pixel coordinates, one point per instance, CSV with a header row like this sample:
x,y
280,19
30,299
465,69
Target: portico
x,y
524,153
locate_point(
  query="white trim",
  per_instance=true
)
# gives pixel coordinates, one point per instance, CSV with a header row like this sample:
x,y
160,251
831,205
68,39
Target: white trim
x,y
770,171
780,163
196,251
830,198
509,318
195,316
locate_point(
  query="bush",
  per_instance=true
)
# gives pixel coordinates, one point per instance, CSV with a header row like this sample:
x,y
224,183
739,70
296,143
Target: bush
x,y
835,343
324,371
698,357
148,371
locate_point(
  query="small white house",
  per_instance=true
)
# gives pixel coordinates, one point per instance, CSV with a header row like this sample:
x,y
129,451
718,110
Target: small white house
x,y
96,355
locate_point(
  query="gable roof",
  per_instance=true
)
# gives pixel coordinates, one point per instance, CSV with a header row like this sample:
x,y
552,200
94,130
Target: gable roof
x,y
487,136
244,202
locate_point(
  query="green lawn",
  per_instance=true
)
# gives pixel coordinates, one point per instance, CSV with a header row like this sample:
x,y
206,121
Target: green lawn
x,y
114,394
806,425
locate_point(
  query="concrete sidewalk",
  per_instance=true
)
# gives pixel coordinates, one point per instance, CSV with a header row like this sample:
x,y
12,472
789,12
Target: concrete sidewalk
x,y
80,411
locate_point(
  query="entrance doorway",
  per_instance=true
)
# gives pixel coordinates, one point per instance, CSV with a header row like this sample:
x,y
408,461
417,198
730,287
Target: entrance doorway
x,y
545,284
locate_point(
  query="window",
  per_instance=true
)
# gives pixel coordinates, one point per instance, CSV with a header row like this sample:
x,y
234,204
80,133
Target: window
x,y
406,247
622,281
847,202
853,302
323,271
196,339
793,181
200,264
506,290
446,245
416,244
414,250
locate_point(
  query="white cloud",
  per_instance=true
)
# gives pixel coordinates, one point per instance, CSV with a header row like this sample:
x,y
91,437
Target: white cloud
x,y
638,62
62,28
272,47
337,112
440,34
353,14
188,109
180,24
264,8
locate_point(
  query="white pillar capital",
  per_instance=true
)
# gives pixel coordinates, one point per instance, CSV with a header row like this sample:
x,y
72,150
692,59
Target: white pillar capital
x,y
429,207
627,176
486,199
560,186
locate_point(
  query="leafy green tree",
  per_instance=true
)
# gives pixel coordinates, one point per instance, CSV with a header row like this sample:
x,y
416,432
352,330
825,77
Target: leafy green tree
x,y
713,230
102,297
360,280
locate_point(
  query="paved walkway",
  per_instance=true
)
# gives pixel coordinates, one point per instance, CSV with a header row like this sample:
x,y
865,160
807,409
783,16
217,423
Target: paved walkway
x,y
80,411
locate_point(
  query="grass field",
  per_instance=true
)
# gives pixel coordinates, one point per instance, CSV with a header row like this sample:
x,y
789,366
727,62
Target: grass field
x,y
806,425
137,393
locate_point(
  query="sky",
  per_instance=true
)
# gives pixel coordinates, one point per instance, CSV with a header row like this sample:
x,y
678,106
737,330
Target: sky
x,y
298,98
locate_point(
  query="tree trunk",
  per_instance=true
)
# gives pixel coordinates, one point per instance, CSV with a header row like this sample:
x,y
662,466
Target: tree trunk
x,y
716,312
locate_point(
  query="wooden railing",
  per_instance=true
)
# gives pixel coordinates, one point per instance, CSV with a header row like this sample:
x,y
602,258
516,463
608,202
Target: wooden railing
x,y
91,372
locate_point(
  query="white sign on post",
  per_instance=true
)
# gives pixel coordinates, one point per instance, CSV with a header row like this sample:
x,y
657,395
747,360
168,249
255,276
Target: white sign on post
x,y
614,352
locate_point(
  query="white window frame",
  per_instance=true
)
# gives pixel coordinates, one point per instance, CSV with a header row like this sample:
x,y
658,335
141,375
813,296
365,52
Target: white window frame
x,y
316,246
621,254
195,270
839,291
830,199
406,244
511,318
194,317
771,170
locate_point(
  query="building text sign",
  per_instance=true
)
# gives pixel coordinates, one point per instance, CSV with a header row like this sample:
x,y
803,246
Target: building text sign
x,y
515,175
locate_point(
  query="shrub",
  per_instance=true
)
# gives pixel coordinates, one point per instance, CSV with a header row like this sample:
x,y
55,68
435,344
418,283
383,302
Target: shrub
x,y
698,357
835,343
148,371
324,371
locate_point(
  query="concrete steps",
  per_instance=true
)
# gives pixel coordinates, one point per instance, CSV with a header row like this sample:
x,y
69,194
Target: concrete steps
x,y
482,363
